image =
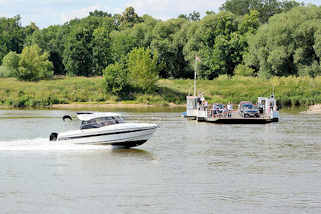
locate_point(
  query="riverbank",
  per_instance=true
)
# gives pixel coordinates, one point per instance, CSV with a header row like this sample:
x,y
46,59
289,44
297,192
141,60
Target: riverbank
x,y
116,105
77,91
314,109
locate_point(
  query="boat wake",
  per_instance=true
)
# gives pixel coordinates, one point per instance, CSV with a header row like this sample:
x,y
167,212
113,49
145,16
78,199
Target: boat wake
x,y
43,144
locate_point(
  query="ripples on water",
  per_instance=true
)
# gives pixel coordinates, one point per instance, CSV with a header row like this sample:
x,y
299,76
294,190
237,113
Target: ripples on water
x,y
186,167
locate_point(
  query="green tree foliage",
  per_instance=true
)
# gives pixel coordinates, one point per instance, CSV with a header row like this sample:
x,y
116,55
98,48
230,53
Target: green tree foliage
x,y
129,18
100,13
183,16
12,36
83,49
249,23
243,70
143,32
117,20
33,65
11,62
116,79
194,16
143,68
77,56
170,47
101,46
122,42
288,45
266,8
30,29
220,42
51,39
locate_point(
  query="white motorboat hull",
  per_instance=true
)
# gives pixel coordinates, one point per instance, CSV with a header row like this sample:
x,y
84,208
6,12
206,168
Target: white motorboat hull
x,y
121,135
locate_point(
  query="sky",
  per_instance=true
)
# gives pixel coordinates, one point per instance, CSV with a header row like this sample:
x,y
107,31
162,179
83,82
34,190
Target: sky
x,y
51,12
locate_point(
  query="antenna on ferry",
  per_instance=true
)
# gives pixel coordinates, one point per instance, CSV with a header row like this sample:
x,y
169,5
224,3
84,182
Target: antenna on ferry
x,y
195,71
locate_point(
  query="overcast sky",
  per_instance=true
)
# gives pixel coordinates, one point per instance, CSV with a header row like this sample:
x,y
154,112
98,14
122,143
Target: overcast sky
x,y
50,12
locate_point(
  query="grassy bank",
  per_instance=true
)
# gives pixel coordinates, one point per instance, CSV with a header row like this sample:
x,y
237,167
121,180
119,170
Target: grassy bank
x,y
67,90
289,91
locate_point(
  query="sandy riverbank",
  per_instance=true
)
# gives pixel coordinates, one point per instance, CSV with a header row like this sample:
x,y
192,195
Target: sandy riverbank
x,y
314,109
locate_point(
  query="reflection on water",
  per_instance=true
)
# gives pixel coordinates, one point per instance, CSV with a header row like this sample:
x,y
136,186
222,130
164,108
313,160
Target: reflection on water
x,y
133,152
186,167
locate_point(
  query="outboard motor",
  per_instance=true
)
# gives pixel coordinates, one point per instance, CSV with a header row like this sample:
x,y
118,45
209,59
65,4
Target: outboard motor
x,y
53,136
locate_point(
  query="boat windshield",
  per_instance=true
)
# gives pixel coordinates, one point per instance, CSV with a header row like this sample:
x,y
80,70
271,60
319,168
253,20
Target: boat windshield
x,y
100,122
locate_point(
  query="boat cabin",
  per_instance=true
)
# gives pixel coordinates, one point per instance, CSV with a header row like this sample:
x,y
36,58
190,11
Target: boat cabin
x,y
192,104
268,107
98,120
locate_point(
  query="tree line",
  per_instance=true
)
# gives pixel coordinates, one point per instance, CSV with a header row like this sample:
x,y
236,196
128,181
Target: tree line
x,y
246,37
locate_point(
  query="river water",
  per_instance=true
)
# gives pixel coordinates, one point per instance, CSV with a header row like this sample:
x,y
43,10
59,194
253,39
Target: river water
x,y
186,167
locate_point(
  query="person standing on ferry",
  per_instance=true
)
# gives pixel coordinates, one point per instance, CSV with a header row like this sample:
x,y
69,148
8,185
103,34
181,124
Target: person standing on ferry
x,y
229,109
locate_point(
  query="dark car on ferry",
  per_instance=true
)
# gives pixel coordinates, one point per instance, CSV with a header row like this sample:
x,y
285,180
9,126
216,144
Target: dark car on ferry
x,y
248,109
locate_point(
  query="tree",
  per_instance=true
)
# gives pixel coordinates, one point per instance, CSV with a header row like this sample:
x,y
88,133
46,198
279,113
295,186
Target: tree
x,y
143,68
218,42
12,36
140,35
101,46
30,29
51,39
288,45
194,16
122,42
210,12
116,79
238,7
11,62
100,13
83,52
33,65
117,20
183,16
249,23
130,18
170,47
243,70
101,49
77,56
266,8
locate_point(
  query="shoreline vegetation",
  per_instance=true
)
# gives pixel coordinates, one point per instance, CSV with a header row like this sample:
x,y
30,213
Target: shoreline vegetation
x,y
137,61
78,92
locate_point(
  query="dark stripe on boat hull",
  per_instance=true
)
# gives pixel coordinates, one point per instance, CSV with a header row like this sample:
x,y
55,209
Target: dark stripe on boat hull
x,y
104,134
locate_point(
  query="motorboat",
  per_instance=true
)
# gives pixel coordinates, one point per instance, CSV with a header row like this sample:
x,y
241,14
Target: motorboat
x,y
106,128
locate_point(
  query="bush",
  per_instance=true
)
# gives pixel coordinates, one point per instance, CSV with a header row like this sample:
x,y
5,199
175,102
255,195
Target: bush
x,y
11,63
4,72
116,79
33,65
143,69
243,70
